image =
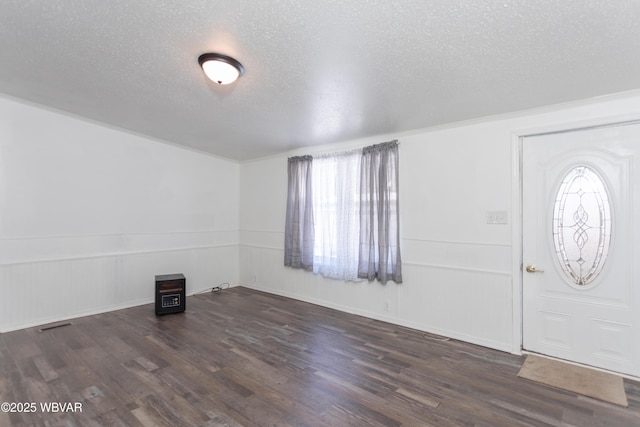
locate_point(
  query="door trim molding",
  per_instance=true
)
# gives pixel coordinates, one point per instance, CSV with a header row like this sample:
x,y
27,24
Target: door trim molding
x,y
517,138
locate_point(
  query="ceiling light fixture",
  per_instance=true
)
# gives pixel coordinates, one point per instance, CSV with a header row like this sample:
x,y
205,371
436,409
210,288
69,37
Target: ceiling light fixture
x,y
221,69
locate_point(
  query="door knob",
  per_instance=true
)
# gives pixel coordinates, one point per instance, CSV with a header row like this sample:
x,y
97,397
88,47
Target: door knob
x,y
532,269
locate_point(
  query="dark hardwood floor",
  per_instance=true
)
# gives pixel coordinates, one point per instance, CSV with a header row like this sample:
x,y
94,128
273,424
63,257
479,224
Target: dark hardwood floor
x,y
242,357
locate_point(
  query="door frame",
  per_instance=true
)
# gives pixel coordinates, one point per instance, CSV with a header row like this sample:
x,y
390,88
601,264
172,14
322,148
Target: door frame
x,y
517,139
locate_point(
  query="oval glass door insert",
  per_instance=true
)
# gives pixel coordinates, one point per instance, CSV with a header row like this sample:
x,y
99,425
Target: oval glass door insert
x,y
582,225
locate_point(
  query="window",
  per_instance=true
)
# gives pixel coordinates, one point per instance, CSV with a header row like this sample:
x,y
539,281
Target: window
x,y
342,214
582,225
336,210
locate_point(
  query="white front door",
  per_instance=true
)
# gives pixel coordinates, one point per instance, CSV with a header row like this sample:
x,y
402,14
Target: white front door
x,y
581,246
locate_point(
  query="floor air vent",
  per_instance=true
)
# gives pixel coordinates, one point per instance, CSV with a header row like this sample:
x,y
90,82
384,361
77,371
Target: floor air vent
x,y
50,327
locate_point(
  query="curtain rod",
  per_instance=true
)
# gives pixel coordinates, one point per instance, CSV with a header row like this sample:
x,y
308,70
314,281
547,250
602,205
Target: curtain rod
x,y
344,153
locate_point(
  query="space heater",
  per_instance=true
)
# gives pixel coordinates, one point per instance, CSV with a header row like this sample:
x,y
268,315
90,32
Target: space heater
x,y
170,293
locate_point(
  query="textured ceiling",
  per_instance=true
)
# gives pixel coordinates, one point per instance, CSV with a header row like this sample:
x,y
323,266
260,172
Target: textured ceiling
x,y
316,71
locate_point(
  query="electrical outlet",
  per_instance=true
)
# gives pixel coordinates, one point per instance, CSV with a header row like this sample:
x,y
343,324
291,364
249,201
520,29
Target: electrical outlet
x,y
385,306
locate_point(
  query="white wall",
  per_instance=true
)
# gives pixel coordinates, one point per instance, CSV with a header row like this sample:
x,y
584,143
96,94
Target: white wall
x,y
459,278
89,215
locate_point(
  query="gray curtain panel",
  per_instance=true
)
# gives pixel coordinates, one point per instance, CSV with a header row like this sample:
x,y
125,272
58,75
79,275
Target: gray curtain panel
x,y
379,216
299,229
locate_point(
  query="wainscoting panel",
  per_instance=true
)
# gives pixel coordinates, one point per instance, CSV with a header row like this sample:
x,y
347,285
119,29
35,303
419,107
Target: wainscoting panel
x,y
473,306
45,291
461,301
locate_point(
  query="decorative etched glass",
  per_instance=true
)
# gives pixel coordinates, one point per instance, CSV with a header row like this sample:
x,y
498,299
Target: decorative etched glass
x,y
582,225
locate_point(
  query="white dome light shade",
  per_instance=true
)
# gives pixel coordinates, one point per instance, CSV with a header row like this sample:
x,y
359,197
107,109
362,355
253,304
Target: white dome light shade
x,y
221,69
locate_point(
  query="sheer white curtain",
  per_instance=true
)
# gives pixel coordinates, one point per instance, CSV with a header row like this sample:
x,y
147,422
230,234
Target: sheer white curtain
x,y
336,207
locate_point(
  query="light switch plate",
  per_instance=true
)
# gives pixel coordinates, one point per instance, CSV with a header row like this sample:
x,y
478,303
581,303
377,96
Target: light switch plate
x,y
496,217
